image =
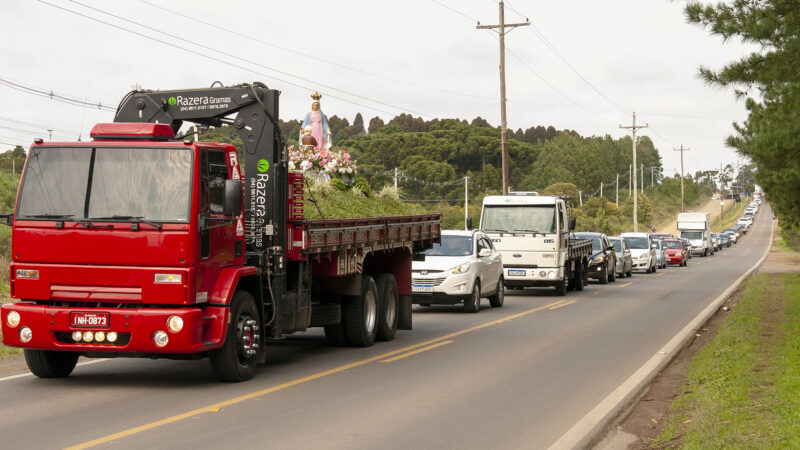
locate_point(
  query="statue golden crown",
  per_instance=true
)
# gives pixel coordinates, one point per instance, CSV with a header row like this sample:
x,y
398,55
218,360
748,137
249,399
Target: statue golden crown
x,y
316,96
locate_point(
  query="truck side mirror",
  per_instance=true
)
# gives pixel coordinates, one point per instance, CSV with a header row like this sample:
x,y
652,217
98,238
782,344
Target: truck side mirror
x,y
468,223
572,224
7,219
232,202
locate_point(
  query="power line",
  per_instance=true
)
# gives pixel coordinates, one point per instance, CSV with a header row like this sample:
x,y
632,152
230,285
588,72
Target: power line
x,y
230,56
49,93
314,57
44,127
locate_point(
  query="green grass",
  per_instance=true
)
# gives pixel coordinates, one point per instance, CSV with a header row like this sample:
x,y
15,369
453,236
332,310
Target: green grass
x,y
731,216
345,204
743,388
5,298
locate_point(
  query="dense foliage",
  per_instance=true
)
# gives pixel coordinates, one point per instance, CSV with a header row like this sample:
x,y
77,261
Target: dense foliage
x,y
770,136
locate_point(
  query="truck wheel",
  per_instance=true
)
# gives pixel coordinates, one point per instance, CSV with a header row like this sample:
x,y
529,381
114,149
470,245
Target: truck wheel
x,y
579,277
388,304
496,300
361,315
561,287
50,364
472,304
236,360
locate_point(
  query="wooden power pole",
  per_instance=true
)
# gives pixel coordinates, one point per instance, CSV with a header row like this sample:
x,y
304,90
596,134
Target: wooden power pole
x,y
682,150
633,129
501,30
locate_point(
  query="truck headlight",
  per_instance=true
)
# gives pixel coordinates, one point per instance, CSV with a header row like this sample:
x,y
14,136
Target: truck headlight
x,y
175,323
463,268
12,319
168,278
25,334
30,274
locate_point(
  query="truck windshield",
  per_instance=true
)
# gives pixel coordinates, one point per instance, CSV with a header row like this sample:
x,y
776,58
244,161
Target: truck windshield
x,y
521,218
91,183
692,235
451,246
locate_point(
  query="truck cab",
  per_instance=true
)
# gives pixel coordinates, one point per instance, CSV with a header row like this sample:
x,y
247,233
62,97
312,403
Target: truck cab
x,y
127,226
531,232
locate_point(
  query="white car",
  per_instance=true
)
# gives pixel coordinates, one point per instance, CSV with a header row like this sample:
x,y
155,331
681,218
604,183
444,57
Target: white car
x,y
642,250
463,267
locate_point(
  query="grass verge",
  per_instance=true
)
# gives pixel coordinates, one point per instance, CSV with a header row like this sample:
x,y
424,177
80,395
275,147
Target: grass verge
x,y
731,216
743,388
5,298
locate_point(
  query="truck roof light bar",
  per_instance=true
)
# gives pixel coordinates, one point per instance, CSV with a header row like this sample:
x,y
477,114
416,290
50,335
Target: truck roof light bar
x,y
132,131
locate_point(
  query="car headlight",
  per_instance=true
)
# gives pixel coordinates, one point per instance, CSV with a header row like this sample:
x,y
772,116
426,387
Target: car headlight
x,y
598,259
463,268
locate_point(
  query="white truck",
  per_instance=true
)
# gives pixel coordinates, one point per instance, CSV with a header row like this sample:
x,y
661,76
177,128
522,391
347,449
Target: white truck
x,y
532,233
696,227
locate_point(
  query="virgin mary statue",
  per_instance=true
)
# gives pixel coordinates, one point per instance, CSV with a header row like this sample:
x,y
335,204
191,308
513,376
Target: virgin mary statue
x,y
318,123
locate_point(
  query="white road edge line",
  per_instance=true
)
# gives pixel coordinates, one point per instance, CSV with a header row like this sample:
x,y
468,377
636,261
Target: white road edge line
x,y
591,428
28,374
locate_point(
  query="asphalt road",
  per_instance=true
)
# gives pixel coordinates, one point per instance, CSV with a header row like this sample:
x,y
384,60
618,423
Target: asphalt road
x,y
518,376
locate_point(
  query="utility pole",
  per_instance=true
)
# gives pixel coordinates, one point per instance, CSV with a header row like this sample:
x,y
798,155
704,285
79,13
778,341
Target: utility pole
x,y
580,197
652,179
501,30
682,150
630,177
642,178
601,189
466,201
617,201
633,129
395,178
50,133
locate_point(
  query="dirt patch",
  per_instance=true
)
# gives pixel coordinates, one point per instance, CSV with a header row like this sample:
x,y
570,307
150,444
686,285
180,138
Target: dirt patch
x,y
779,261
12,365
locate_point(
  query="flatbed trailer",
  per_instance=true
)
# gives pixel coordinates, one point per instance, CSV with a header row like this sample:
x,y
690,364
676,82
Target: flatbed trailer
x,y
143,244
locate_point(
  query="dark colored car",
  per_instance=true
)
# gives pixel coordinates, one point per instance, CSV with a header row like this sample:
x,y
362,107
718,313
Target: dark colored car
x,y
603,260
724,239
674,252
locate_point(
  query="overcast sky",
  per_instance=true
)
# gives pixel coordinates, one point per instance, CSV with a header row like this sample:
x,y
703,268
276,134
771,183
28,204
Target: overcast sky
x,y
380,57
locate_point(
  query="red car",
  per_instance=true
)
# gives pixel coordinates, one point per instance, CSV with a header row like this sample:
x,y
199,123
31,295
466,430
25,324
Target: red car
x,y
674,252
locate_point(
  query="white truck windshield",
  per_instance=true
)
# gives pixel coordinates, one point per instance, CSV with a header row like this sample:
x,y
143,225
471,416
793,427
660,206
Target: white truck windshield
x,y
519,218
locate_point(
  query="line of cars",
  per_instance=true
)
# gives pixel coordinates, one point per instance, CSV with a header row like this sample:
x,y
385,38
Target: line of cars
x,y
465,266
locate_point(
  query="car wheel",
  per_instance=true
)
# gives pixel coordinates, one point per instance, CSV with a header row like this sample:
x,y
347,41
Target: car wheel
x,y
629,273
472,304
612,276
604,276
496,300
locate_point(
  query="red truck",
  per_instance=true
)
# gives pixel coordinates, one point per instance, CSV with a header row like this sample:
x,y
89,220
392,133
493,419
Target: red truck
x,y
143,244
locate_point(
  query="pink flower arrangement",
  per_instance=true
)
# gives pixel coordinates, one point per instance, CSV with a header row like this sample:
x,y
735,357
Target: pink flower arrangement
x,y
323,161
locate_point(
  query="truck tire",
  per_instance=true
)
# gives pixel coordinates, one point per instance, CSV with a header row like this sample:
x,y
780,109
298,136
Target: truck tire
x,y
236,360
50,364
497,299
388,305
561,287
361,315
579,276
472,304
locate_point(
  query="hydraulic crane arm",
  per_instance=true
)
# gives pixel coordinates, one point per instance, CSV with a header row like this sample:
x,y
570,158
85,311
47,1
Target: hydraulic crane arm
x,y
256,121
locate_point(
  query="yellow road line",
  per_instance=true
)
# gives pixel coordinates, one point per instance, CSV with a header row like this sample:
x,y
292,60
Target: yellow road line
x,y
626,284
420,350
661,274
563,304
295,382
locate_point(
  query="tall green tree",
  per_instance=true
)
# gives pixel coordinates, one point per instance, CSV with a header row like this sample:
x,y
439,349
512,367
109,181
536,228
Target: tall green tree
x,y
768,80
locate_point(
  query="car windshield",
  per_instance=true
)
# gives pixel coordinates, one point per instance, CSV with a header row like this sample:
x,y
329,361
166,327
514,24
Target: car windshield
x,y
85,183
519,218
692,235
637,242
617,245
451,246
671,244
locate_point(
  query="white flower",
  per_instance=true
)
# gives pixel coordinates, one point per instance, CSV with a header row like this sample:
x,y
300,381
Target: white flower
x,y
291,165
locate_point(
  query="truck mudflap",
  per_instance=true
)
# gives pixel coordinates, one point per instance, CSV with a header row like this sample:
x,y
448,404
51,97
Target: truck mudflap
x,y
132,330
404,314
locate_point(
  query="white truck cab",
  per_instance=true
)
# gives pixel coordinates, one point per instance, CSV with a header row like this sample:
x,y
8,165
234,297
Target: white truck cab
x,y
696,227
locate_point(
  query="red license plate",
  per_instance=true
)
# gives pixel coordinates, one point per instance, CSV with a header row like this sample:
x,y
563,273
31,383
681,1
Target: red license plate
x,y
89,320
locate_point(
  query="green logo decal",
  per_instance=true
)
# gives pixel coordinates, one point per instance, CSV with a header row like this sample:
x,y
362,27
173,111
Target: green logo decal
x,y
172,101
263,165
